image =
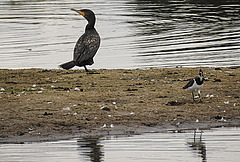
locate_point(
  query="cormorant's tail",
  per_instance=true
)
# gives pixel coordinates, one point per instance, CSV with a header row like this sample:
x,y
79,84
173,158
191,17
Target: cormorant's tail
x,y
68,65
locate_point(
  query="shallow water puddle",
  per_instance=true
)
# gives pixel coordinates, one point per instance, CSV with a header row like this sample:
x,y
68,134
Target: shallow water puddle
x,y
218,144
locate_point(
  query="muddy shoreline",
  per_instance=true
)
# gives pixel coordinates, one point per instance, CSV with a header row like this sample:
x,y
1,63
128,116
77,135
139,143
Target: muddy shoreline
x,y
118,130
40,104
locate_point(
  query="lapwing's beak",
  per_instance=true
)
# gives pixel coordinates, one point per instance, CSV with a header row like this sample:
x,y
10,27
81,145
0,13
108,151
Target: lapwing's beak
x,y
78,11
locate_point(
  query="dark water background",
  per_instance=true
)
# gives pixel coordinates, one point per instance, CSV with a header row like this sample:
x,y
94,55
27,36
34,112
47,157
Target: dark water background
x,y
135,33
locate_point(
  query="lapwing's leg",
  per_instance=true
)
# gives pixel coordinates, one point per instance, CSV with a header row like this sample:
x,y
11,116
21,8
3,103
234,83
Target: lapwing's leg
x,y
194,136
199,96
201,135
193,97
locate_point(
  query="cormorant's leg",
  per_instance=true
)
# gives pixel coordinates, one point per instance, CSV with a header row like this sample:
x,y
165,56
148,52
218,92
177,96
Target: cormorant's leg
x,y
90,72
193,97
86,68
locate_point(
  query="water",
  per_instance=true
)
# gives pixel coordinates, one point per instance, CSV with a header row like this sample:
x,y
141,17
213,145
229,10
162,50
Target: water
x,y
135,33
218,144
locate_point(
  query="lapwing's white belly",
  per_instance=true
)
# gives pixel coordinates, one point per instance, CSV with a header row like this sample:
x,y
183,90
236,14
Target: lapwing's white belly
x,y
195,87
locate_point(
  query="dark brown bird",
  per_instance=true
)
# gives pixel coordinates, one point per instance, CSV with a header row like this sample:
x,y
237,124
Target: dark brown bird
x,y
87,45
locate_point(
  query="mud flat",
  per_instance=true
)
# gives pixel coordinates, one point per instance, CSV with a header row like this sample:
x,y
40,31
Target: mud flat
x,y
39,104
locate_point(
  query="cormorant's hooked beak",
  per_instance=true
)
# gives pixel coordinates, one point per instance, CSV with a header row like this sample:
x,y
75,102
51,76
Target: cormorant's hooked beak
x,y
78,11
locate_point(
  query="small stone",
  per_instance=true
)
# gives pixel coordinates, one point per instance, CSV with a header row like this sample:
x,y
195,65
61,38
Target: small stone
x,y
226,102
236,96
175,103
217,80
134,89
105,108
76,89
46,113
211,95
162,97
67,108
218,117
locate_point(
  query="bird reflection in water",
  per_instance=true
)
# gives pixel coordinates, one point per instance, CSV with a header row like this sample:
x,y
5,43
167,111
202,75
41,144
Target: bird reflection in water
x,y
91,148
198,145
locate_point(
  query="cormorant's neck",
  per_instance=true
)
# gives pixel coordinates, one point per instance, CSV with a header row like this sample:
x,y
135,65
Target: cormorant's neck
x,y
89,26
91,23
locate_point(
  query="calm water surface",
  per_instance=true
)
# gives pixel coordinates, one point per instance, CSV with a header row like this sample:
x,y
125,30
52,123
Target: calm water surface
x,y
219,144
135,33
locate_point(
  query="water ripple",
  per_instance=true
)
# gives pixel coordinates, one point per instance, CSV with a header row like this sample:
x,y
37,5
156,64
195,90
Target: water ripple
x,y
137,33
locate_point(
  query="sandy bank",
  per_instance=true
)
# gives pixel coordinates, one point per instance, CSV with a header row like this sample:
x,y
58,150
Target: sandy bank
x,y
38,104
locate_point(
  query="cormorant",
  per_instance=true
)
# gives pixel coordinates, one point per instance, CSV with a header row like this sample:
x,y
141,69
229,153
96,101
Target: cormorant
x,y
195,84
87,45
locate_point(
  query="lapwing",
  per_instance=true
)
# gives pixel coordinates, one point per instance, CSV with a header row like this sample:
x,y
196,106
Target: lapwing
x,y
195,85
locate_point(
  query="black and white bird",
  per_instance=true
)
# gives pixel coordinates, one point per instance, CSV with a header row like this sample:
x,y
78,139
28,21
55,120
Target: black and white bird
x,y
195,85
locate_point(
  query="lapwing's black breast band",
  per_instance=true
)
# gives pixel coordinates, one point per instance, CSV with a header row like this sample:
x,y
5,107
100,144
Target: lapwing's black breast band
x,y
199,81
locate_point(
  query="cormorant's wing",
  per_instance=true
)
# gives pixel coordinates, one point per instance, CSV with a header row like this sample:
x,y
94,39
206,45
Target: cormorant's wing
x,y
86,47
79,48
